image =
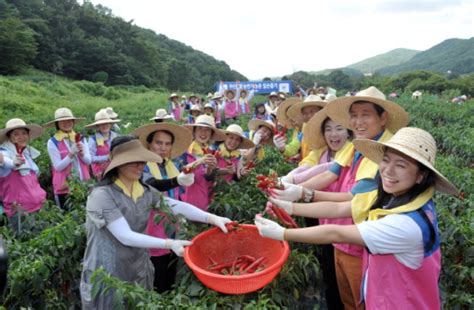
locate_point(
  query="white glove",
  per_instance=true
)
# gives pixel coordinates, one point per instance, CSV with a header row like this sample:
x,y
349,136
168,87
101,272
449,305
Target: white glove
x,y
218,221
291,192
282,204
74,149
177,246
269,229
257,137
287,179
186,179
279,141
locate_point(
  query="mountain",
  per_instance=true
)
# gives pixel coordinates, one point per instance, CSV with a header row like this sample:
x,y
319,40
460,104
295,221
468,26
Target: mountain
x,y
82,41
455,55
391,58
346,70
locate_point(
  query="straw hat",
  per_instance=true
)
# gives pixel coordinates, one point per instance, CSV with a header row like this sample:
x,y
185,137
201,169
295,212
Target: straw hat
x,y
235,129
282,110
111,112
102,117
294,112
413,142
173,95
182,136
312,133
272,94
161,114
207,121
194,107
216,96
130,152
209,105
34,131
256,123
338,110
183,97
62,114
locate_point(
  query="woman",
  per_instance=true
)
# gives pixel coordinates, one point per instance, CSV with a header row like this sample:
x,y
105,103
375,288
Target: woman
x,y
231,104
261,133
174,107
244,100
261,112
230,162
20,189
69,153
161,116
204,132
289,149
398,227
118,210
194,112
99,142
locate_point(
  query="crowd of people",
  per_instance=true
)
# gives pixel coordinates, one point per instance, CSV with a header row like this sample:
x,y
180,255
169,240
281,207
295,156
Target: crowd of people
x,y
364,183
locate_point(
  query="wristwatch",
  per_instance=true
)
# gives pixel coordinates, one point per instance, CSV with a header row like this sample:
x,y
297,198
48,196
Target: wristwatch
x,y
308,195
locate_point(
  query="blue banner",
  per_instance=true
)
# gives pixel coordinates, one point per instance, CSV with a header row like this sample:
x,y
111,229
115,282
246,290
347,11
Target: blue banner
x,y
261,87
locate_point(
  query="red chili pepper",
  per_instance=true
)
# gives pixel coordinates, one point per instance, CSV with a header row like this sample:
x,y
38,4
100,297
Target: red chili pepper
x,y
188,170
254,265
250,165
77,137
231,226
19,149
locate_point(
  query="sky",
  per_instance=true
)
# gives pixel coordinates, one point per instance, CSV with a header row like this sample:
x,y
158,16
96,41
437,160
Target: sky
x,y
274,38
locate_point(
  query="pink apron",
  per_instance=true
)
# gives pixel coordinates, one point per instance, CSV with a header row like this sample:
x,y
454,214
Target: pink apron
x,y
226,162
198,194
98,168
24,190
231,109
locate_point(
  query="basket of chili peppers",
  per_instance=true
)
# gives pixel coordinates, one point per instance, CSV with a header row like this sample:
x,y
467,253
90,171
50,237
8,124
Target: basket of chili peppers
x,y
238,262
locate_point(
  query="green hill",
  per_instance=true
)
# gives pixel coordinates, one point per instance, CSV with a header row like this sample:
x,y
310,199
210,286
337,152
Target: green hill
x,y
86,41
391,58
346,70
455,55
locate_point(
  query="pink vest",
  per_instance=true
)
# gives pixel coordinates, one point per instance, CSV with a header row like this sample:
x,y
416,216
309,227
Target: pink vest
x,y
231,109
176,113
224,163
60,177
98,168
198,194
345,183
218,114
24,190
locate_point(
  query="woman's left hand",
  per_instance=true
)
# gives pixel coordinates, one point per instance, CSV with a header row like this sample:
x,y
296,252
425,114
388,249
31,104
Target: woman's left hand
x,y
218,221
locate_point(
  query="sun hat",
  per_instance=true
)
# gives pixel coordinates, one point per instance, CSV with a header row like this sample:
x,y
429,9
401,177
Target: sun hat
x,y
34,131
281,113
295,111
62,114
413,142
338,110
209,95
111,112
256,123
235,129
195,107
209,105
183,97
161,114
281,95
102,117
130,152
182,136
216,96
272,94
312,133
173,95
207,121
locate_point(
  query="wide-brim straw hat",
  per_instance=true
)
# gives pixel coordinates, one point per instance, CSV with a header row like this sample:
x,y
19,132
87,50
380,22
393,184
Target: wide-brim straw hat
x,y
161,114
235,129
413,142
102,117
282,110
173,95
111,112
34,130
208,122
312,132
182,136
209,105
255,124
339,109
62,114
130,152
272,94
195,107
295,111
216,96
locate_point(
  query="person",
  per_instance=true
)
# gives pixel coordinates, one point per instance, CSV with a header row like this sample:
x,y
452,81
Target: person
x,y
230,162
289,149
397,225
216,100
260,112
20,189
194,112
244,100
69,153
370,116
261,133
197,157
231,104
174,108
209,110
117,213
272,102
99,142
161,116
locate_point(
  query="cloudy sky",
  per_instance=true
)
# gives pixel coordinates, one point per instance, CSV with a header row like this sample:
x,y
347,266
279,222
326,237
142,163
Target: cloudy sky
x,y
273,38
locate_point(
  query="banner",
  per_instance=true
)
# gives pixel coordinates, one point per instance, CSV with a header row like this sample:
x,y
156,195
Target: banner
x,y
260,87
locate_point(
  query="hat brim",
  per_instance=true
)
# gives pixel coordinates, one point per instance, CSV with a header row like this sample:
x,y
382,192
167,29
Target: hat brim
x,y
34,131
182,136
133,152
312,133
255,124
375,151
164,117
101,122
282,112
217,134
51,123
338,111
295,112
246,142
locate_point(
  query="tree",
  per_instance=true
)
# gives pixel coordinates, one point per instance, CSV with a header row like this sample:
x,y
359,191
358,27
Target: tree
x,y
17,45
